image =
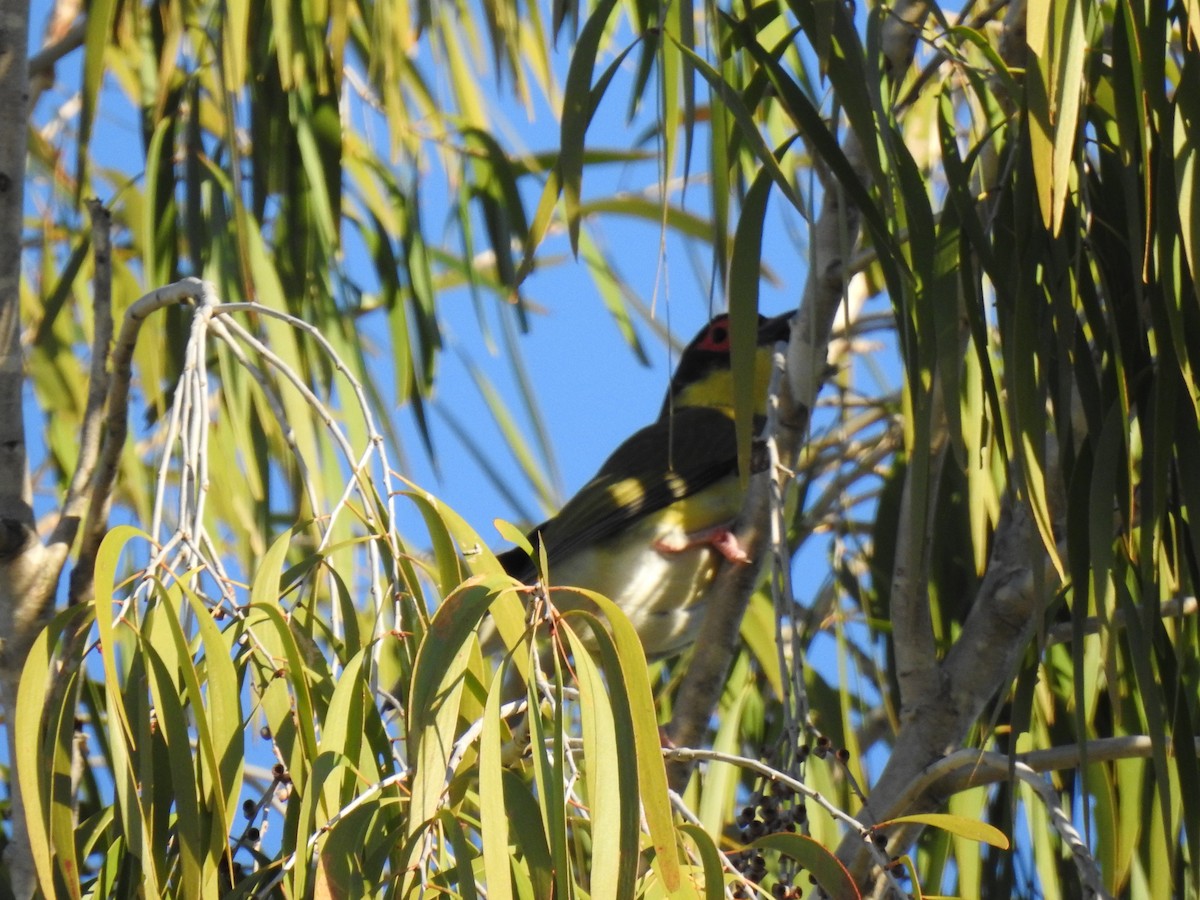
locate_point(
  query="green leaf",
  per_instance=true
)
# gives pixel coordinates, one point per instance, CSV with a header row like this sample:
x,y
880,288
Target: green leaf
x,y
612,777
37,730
744,267
226,754
186,777
436,692
100,18
464,852
1054,89
107,559
652,772
831,875
578,104
550,774
749,127
714,872
972,829
602,769
493,816
526,826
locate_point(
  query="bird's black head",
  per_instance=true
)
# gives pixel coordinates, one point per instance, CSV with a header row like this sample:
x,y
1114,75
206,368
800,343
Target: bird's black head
x,y
702,376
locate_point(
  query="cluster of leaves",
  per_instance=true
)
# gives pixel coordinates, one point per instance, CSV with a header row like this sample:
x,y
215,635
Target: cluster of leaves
x,y
190,694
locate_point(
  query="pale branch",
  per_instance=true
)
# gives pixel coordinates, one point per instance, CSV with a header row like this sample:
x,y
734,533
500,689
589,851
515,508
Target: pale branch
x,y
42,63
966,769
95,523
375,440
359,479
1174,608
775,776
912,620
189,412
1085,863
188,548
92,428
230,336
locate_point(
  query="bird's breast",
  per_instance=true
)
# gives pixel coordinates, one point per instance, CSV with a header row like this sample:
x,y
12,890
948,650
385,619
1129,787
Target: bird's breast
x,y
658,589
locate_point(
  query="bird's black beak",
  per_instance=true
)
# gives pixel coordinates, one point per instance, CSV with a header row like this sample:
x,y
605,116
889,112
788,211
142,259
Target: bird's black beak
x,y
775,329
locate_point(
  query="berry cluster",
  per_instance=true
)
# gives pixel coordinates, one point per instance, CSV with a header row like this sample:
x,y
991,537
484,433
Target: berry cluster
x,y
771,811
822,749
775,809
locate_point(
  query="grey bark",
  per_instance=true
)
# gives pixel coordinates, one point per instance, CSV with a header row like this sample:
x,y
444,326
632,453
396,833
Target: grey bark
x,y
24,582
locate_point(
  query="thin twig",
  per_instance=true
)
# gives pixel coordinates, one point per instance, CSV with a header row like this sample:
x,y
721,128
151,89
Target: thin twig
x,y
1085,862
42,62
1174,608
965,769
91,427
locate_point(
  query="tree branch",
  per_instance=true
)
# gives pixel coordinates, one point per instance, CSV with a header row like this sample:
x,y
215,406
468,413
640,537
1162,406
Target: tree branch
x,y
966,769
730,591
42,62
91,430
1175,608
21,553
912,622
1003,620
95,523
999,628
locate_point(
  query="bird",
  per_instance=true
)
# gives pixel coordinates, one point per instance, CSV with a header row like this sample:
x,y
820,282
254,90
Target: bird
x,y
649,530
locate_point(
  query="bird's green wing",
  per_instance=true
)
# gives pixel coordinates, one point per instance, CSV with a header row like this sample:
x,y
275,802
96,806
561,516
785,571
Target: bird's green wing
x,y
659,465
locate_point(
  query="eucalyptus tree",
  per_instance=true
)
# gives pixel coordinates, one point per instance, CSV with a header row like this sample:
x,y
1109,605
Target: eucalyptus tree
x,y
239,653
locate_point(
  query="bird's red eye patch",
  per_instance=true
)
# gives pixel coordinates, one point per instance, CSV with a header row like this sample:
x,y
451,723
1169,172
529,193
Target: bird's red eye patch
x,y
716,338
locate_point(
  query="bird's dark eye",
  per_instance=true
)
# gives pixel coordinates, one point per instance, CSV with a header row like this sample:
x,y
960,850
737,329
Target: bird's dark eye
x,y
719,336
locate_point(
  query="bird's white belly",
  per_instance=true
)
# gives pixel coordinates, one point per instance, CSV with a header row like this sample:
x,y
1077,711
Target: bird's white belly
x,y
657,589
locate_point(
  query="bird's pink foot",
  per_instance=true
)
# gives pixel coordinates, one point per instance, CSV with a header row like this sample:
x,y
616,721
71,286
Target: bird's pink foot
x,y
719,538
727,545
